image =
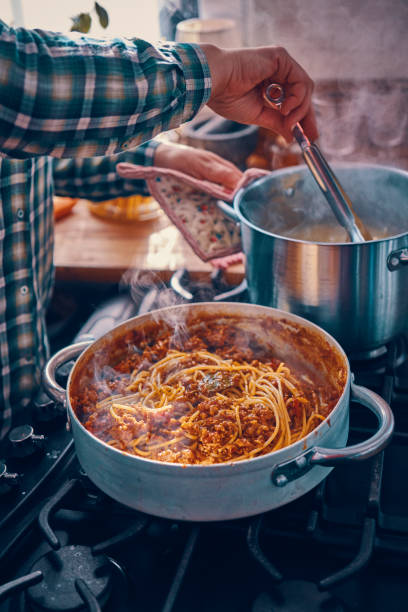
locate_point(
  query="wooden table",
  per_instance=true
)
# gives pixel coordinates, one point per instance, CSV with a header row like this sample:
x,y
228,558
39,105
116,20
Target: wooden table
x,y
92,249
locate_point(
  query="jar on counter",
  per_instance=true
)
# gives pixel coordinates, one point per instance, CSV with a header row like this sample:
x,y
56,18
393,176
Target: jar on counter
x,y
283,154
259,158
273,152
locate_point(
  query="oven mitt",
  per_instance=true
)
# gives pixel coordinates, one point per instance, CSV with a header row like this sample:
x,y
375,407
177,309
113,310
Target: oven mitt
x,y
190,204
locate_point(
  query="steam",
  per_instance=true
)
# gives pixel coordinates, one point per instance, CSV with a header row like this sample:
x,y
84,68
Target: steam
x,y
148,292
345,40
364,122
357,49
139,282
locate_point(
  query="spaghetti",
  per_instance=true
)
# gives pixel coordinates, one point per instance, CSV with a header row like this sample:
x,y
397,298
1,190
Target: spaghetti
x,y
199,406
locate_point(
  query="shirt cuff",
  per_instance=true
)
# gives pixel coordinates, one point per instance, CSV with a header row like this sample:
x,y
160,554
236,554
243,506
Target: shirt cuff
x,y
193,62
149,150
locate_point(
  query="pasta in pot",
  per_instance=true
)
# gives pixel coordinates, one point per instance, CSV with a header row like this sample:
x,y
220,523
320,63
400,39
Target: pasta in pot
x,y
204,401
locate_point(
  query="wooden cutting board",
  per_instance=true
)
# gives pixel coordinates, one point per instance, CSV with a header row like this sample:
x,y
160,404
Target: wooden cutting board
x,y
93,249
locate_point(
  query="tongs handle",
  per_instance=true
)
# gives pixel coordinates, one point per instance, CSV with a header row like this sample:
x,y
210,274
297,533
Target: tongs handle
x,y
324,176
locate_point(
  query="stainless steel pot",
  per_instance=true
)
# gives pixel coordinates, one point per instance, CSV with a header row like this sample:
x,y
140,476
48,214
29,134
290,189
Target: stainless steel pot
x,y
228,490
356,292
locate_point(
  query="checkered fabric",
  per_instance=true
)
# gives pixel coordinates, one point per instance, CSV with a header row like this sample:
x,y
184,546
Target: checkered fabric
x,y
71,97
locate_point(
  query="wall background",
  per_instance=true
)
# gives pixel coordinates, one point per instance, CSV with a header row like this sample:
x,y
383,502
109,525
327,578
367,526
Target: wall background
x,y
331,38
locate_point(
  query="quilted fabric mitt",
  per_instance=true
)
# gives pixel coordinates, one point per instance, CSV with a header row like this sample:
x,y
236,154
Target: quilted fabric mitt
x,y
191,205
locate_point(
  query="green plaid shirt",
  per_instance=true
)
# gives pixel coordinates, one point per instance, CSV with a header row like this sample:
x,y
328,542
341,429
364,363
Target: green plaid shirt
x,y
71,97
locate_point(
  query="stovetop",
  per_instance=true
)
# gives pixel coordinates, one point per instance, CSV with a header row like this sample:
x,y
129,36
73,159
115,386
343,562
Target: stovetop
x,y
65,545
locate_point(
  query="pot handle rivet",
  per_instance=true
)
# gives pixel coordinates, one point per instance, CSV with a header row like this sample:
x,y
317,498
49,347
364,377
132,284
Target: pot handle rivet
x,y
291,470
301,462
397,259
281,480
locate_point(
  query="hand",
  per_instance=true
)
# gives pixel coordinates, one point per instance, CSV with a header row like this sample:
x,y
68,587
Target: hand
x,y
198,163
238,78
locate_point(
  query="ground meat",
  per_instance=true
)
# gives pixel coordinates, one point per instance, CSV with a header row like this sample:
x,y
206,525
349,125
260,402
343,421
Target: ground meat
x,y
129,364
202,423
157,351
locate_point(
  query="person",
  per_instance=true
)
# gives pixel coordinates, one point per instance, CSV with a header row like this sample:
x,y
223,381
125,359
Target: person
x,y
75,98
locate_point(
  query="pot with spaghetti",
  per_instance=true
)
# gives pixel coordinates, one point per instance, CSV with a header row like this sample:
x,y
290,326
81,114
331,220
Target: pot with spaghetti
x,y
213,411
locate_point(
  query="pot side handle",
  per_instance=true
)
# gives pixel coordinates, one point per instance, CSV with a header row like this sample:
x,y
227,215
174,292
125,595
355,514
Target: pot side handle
x,y
51,387
368,448
227,210
397,259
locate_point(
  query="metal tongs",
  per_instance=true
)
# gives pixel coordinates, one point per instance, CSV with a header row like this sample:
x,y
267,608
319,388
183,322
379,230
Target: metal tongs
x,y
334,193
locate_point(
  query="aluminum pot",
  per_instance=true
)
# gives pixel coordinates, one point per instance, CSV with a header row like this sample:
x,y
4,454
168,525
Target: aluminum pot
x,y
226,490
356,292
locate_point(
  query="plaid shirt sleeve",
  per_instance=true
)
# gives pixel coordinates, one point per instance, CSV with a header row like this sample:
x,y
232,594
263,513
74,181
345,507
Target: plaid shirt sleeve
x,y
95,178
74,96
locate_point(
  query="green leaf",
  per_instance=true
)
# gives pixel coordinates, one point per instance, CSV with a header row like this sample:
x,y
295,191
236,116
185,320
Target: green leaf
x,y
81,23
102,14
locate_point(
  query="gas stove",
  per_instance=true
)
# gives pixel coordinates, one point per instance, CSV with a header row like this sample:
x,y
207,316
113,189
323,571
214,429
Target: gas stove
x,y
65,545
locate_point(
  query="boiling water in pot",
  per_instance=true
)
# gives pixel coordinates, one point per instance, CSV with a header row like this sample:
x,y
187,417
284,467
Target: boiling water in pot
x,y
293,207
323,232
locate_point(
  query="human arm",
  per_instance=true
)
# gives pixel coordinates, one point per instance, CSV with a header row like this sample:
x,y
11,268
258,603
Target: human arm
x,y
96,178
69,96
72,96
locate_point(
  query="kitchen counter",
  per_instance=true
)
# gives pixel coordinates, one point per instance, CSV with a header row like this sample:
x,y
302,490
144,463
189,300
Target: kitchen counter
x,y
93,249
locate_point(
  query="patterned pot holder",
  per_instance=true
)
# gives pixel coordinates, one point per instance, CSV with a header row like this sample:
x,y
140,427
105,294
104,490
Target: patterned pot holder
x,y
191,204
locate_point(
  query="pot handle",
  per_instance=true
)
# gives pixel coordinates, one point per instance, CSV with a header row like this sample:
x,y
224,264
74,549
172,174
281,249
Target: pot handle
x,y
330,457
368,448
227,210
51,387
397,259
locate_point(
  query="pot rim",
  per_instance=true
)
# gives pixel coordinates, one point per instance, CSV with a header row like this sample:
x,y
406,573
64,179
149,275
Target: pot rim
x,y
303,169
292,450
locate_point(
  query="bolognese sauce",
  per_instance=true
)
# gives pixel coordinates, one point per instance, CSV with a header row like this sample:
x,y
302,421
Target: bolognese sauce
x,y
213,397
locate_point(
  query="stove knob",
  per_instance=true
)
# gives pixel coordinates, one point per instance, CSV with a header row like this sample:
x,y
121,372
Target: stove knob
x,y
46,410
24,441
8,481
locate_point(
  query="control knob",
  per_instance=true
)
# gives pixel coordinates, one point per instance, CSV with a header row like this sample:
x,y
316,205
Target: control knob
x,y
24,441
8,481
